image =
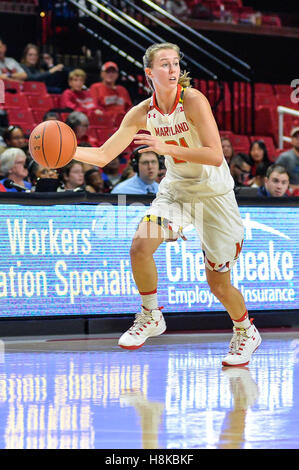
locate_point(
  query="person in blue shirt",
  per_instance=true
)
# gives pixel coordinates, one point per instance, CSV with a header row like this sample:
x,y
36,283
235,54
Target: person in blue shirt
x,y
13,167
276,182
146,166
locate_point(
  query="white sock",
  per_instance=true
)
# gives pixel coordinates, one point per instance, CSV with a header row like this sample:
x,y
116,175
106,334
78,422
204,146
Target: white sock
x,y
150,300
243,322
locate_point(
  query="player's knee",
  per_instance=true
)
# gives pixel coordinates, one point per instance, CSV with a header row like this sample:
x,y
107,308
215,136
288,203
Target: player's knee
x,y
220,290
140,249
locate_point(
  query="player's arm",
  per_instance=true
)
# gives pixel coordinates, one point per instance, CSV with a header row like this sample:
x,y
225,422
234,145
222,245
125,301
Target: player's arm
x,y
198,112
133,121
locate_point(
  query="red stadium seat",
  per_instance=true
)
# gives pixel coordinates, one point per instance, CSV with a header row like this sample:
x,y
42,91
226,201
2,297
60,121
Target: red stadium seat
x,y
105,120
240,143
16,100
285,100
16,115
265,100
263,88
40,102
56,100
38,115
35,88
103,134
13,85
282,89
266,122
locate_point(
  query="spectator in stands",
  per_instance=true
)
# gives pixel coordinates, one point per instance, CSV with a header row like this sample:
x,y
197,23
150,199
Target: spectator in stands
x,y
290,160
72,177
10,69
94,182
14,136
259,157
228,150
79,122
178,8
276,182
240,168
112,99
146,167
42,179
13,167
51,116
111,172
77,97
34,73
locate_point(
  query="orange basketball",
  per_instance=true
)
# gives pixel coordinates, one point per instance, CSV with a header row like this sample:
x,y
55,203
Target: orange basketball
x,y
52,144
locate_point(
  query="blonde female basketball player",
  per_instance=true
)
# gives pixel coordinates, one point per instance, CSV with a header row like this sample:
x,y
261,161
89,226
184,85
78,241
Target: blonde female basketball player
x,y
197,188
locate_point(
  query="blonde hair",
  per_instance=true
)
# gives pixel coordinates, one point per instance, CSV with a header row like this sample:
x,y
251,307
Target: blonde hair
x,y
77,73
148,58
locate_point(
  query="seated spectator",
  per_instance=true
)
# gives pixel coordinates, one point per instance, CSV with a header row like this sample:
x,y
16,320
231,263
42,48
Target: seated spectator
x,y
146,167
51,116
79,123
178,8
276,182
13,167
14,137
109,97
72,177
42,179
228,150
111,173
77,97
30,64
94,182
259,157
290,160
240,169
10,69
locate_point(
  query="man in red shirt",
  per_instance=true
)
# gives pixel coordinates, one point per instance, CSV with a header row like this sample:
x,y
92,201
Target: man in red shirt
x,y
76,97
110,98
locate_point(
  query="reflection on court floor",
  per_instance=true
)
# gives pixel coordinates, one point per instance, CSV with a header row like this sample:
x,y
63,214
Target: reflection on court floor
x,y
72,393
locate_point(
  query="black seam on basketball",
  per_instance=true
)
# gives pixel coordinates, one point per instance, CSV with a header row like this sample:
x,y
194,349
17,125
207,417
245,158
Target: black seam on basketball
x,y
44,130
60,144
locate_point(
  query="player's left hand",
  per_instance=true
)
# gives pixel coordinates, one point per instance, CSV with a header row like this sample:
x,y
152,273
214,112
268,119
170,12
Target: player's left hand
x,y
154,144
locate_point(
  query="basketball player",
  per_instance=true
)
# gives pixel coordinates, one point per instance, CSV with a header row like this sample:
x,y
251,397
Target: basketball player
x,y
197,188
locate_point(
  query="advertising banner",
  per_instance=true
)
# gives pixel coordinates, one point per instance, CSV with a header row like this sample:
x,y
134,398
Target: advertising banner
x,y
74,260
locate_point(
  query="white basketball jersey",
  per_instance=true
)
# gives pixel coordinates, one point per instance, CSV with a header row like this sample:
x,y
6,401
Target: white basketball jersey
x,y
173,128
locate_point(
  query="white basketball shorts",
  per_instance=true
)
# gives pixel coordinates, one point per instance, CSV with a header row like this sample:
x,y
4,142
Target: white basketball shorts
x,y
217,222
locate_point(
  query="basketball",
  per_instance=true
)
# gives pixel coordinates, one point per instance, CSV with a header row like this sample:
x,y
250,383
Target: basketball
x,y
52,144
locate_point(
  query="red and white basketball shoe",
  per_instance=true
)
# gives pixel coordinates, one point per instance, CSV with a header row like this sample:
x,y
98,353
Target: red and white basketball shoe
x,y
146,324
243,344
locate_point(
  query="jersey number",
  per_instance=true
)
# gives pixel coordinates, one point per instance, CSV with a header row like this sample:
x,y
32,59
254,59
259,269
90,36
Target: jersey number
x,y
182,143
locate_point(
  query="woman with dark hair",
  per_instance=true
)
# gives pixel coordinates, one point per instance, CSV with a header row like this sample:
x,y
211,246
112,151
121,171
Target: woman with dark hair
x,y
30,63
258,154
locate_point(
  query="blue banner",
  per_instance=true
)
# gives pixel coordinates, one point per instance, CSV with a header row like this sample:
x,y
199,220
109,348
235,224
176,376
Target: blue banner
x,y
74,260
